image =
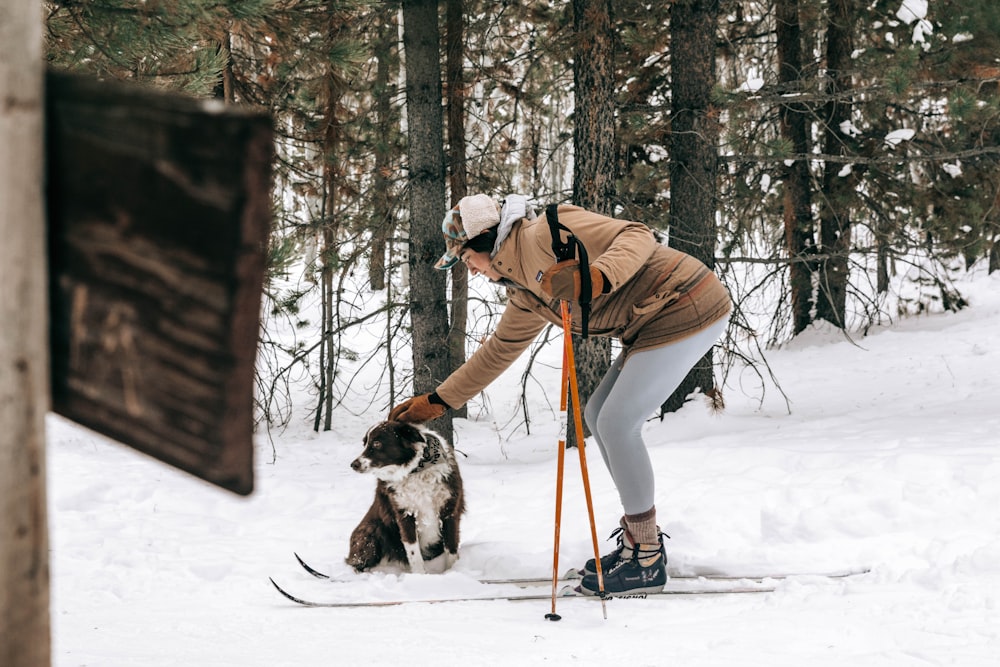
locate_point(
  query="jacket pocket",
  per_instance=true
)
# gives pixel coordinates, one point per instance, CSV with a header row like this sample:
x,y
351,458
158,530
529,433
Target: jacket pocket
x,y
658,300
648,308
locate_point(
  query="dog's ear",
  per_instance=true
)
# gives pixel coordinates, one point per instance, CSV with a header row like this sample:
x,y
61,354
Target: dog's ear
x,y
409,432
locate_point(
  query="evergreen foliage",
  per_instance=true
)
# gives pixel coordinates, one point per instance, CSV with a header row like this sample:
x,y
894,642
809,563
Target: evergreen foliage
x,y
909,176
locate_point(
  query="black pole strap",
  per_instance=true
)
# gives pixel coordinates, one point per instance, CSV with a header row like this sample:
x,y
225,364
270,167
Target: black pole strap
x,y
562,250
569,249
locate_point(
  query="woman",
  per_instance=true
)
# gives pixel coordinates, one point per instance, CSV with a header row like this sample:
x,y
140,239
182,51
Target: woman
x,y
666,307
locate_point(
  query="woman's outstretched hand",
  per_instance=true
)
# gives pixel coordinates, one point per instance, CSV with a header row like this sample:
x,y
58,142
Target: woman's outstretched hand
x,y
417,410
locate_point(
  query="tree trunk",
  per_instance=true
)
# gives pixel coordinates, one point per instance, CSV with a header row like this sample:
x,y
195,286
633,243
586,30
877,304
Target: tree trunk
x,y
425,130
224,88
594,155
24,351
797,203
382,208
835,216
458,177
693,152
333,138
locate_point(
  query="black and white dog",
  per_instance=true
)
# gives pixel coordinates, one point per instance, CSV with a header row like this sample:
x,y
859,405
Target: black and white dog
x,y
419,501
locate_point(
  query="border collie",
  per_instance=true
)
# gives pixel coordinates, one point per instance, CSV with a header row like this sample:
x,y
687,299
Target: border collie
x,y
418,502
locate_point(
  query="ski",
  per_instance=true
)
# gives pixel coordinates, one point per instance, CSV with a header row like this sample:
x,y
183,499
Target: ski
x,y
573,575
687,587
566,578
311,570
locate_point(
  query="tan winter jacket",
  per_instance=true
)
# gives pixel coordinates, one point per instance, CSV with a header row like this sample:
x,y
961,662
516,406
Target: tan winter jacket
x,y
658,295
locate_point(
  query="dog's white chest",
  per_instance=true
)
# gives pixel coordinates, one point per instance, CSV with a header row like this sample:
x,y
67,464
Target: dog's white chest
x,y
422,495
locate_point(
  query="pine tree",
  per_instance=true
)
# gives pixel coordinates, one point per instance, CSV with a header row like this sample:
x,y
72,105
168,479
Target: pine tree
x,y
595,164
458,175
800,240
174,45
694,153
425,150
833,272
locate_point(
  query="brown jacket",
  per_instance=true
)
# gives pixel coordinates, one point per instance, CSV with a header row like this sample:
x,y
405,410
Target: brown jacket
x,y
658,295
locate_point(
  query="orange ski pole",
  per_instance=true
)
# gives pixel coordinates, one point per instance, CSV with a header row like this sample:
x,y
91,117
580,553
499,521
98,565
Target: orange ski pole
x,y
580,445
578,418
560,463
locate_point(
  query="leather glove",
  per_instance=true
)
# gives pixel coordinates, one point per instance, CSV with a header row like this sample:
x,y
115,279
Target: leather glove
x,y
562,281
419,409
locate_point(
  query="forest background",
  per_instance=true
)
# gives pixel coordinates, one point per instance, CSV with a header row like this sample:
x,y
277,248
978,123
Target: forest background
x,y
834,161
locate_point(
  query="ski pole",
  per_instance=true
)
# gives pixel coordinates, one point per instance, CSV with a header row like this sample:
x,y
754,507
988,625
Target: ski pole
x,y
578,418
560,466
570,364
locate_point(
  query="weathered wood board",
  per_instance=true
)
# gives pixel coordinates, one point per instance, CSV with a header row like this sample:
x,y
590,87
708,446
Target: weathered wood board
x,y
159,211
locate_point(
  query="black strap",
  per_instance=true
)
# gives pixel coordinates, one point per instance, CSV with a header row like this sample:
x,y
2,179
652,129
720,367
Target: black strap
x,y
569,249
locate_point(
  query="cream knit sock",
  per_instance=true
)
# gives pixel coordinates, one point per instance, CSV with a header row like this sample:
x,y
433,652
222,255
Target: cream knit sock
x,y
643,528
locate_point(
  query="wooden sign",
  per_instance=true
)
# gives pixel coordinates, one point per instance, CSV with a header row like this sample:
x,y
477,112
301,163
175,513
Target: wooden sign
x,y
159,210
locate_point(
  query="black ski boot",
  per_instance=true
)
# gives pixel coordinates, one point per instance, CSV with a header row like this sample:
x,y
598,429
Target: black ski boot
x,y
639,568
623,550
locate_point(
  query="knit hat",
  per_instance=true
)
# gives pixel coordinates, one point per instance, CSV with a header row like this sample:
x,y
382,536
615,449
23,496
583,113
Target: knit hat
x,y
473,215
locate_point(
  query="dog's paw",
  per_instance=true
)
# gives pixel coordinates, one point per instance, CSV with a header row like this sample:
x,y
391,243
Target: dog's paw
x,y
414,558
440,563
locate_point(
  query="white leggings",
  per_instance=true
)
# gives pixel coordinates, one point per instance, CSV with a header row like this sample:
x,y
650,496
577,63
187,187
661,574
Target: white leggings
x,y
626,397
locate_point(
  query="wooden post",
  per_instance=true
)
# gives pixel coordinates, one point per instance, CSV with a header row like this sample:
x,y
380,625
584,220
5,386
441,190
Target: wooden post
x,y
24,343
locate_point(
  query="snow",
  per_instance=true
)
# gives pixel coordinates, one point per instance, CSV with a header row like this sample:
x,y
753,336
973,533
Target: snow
x,y
912,10
953,170
886,456
916,10
754,81
896,137
849,128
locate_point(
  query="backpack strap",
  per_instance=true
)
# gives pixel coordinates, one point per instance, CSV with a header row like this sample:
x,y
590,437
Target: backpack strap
x,y
569,249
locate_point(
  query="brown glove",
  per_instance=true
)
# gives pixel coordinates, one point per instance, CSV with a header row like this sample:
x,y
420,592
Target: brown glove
x,y
562,281
418,409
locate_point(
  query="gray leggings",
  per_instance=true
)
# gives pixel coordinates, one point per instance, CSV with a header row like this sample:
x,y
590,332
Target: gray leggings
x,y
626,397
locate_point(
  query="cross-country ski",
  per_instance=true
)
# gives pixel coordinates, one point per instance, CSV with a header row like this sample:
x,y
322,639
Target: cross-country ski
x,y
681,587
572,576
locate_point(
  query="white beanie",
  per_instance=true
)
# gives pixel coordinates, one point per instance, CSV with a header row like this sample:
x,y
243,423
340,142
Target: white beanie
x,y
478,213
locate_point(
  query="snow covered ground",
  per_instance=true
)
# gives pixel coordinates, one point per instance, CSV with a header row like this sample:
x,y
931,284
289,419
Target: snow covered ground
x,y
887,457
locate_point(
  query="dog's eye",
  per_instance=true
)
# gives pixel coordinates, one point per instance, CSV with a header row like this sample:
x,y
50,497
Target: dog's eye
x,y
377,444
